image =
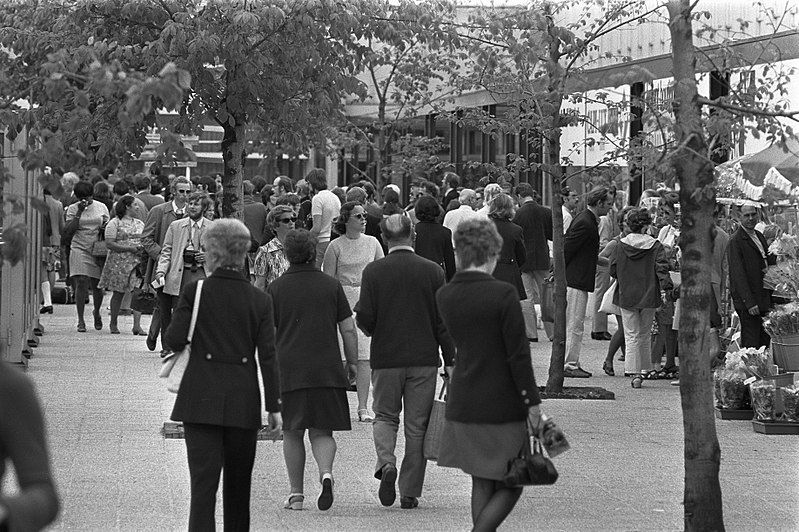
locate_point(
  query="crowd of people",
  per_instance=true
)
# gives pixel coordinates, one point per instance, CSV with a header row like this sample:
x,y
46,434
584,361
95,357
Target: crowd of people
x,y
391,292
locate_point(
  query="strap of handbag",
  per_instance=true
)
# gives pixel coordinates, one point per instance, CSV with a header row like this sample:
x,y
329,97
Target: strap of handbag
x,y
442,395
196,308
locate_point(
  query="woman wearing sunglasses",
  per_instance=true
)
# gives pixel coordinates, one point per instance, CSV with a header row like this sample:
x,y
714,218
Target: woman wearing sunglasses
x,y
271,261
345,259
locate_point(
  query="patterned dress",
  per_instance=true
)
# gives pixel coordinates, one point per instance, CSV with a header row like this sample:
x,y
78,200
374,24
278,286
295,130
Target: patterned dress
x,y
118,273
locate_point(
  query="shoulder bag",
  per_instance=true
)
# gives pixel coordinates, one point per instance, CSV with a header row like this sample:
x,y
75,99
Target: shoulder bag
x,y
174,367
607,305
530,468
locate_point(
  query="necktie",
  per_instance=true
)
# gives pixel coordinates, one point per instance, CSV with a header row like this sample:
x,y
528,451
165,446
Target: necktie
x,y
195,236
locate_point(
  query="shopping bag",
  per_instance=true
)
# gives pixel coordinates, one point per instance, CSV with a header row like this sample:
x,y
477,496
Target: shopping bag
x,y
548,300
435,426
607,305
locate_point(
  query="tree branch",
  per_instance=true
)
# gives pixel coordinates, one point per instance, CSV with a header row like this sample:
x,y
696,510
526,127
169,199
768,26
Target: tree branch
x,y
791,115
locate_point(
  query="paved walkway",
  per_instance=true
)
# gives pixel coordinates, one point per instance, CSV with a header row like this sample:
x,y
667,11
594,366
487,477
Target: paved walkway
x,y
105,408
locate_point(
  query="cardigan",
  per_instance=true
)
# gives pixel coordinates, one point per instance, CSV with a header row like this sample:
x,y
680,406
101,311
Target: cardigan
x,y
580,251
220,386
308,305
397,308
493,379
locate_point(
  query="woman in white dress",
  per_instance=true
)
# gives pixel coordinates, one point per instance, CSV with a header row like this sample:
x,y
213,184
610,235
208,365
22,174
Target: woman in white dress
x,y
345,259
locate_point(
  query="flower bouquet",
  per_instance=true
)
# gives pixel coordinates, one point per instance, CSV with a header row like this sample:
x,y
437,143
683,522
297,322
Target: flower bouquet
x,y
783,320
729,388
783,277
790,401
764,396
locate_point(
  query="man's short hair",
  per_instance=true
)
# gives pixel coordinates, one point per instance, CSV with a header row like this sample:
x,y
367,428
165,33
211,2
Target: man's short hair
x,y
596,196
427,209
452,179
142,182
202,197
477,241
356,194
121,188
396,227
285,183
466,196
565,191
227,242
180,180
525,190
317,179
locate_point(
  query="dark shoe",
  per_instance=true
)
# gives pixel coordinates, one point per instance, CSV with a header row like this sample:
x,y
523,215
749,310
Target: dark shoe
x,y
388,492
165,353
98,322
532,339
150,343
603,336
140,332
408,502
607,367
46,310
325,500
81,327
113,328
578,373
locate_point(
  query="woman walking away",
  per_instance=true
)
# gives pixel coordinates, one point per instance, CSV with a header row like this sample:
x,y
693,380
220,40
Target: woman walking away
x,y
219,399
642,272
271,261
513,253
617,340
84,220
492,393
313,385
123,238
345,259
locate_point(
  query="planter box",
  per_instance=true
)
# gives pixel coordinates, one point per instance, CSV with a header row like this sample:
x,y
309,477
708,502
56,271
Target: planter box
x,y
733,414
785,350
775,427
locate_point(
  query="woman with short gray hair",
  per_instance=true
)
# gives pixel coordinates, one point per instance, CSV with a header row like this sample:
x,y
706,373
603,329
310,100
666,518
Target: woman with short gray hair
x,y
219,399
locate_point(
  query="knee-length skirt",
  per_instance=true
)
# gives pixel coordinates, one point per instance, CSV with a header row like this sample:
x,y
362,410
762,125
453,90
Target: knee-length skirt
x,y
316,408
481,449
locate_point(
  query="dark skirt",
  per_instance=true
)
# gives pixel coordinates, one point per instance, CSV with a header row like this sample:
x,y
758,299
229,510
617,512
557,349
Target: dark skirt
x,y
481,449
316,408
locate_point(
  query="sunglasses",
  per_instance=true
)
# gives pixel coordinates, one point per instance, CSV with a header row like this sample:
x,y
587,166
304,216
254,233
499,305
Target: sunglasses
x,y
182,191
360,216
287,220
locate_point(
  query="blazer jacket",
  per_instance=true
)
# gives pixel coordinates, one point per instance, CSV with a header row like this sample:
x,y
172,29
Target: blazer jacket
x,y
512,256
536,223
220,386
747,267
580,250
493,380
434,242
152,237
170,261
397,308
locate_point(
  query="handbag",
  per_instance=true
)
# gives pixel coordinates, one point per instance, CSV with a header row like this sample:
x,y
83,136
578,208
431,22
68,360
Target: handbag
x,y
607,305
530,468
548,300
174,367
435,426
99,247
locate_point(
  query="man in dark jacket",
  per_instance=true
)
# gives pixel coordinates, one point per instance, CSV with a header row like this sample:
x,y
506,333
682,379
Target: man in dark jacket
x,y
581,250
397,308
747,256
536,222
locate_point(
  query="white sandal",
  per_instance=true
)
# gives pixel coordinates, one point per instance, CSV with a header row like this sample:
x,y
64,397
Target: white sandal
x,y
364,416
294,502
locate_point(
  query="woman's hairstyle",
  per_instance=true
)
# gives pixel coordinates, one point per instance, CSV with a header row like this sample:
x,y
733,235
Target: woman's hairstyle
x,y
501,207
427,209
274,216
202,197
491,191
390,196
248,187
340,223
300,246
638,219
291,199
121,207
102,192
317,179
339,192
477,241
83,190
227,242
623,214
266,193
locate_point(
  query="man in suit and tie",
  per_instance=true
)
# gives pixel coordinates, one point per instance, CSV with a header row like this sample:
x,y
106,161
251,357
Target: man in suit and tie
x,y
182,258
747,258
397,308
155,225
581,253
536,222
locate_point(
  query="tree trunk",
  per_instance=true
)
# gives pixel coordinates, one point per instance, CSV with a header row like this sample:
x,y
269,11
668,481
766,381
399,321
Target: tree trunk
x,y
382,146
233,156
702,495
553,169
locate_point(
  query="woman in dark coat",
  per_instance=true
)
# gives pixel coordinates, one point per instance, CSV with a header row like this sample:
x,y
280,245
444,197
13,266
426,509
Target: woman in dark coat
x,y
433,240
492,393
219,399
311,309
512,255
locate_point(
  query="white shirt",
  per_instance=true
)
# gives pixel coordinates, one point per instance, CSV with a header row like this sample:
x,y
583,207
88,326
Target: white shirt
x,y
453,218
327,205
567,218
177,211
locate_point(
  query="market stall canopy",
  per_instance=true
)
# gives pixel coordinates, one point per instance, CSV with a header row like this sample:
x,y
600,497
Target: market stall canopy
x,y
777,166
